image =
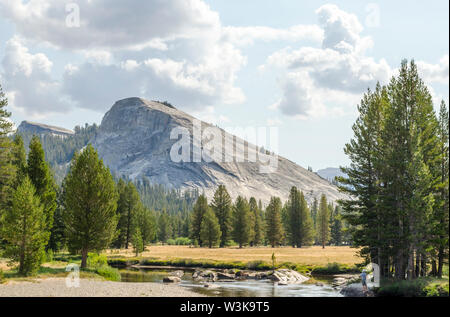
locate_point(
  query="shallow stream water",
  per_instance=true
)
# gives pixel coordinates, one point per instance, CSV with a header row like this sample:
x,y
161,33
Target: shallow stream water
x,y
247,288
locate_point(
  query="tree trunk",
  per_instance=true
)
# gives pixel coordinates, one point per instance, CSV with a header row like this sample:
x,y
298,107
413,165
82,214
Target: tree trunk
x,y
440,262
433,267
418,257
410,270
84,254
423,261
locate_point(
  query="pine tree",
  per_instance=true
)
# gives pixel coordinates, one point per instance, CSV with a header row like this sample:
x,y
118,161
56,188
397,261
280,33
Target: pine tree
x,y
336,228
57,239
25,229
164,227
210,229
19,159
127,205
441,214
138,243
222,206
300,226
395,177
257,234
120,235
40,175
323,222
366,219
200,208
274,227
144,220
91,201
241,221
7,169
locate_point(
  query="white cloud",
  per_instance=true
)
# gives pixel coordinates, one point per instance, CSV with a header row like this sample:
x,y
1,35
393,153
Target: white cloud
x,y
28,81
435,73
250,34
109,23
339,69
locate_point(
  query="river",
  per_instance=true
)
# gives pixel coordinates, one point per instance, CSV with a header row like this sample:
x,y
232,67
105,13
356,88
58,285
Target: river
x,y
246,288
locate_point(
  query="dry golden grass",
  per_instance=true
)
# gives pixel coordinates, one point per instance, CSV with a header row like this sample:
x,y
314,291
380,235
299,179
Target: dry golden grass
x,y
306,256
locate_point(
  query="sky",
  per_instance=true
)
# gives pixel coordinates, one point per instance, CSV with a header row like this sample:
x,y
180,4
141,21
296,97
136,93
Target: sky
x,y
300,66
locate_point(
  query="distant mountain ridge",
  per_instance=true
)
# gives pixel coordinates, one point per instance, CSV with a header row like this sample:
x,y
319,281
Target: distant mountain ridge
x,y
134,141
39,128
330,173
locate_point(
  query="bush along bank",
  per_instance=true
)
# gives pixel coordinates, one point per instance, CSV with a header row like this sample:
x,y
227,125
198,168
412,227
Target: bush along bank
x,y
329,269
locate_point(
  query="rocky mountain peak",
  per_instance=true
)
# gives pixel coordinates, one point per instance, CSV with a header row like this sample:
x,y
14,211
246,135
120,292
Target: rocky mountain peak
x,y
134,140
40,128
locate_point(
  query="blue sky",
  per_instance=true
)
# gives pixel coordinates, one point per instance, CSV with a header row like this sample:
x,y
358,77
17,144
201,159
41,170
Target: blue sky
x,y
299,65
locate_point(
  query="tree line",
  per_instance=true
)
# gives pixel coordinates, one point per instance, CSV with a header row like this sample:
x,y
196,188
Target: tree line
x,y
398,178
246,223
92,211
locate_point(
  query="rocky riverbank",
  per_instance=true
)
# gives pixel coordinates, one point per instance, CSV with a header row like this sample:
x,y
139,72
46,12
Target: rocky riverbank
x,y
281,276
56,287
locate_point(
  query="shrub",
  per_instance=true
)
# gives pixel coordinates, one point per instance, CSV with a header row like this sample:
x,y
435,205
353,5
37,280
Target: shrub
x,y
48,256
170,241
96,260
423,286
122,262
109,273
2,276
436,289
183,241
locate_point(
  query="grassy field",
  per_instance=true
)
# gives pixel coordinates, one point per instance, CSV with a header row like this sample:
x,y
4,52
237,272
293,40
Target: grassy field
x,y
315,256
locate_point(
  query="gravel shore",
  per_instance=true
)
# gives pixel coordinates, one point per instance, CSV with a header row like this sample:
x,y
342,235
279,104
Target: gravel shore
x,y
56,287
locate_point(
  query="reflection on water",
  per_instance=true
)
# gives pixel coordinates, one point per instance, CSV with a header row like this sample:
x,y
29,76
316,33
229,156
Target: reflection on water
x,y
248,288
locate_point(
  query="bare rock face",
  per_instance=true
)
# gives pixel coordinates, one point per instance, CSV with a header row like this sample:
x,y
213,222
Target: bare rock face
x,y
39,128
134,141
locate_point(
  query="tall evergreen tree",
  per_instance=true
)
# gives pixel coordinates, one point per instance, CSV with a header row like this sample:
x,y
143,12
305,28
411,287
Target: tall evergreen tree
x,y
323,222
241,221
222,206
200,208
210,229
441,214
41,176
138,242
164,227
336,228
257,234
127,205
90,197
25,228
19,159
144,220
274,226
301,230
394,176
7,169
57,239
365,217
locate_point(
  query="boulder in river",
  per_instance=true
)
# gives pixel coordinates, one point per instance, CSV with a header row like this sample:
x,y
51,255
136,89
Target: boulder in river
x,y
178,273
171,279
355,290
288,276
225,276
206,275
